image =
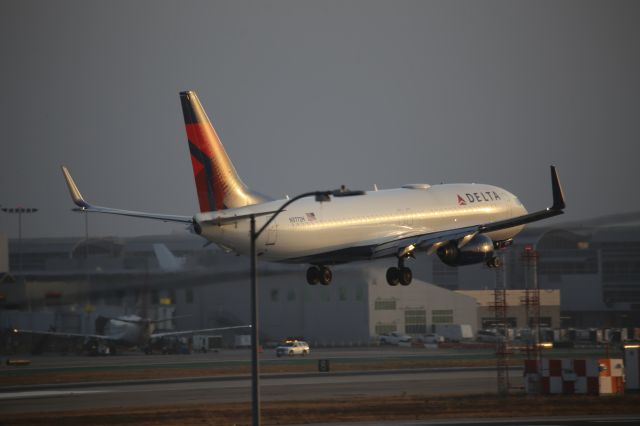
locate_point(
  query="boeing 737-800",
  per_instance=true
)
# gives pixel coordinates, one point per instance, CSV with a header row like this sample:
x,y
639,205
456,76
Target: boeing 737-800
x,y
461,223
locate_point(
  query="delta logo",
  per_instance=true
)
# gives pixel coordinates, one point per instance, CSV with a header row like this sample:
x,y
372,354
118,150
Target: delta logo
x,y
477,197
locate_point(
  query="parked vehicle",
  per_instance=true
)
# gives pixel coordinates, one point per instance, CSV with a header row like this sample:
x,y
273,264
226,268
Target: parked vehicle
x,y
488,336
431,338
394,338
293,347
454,332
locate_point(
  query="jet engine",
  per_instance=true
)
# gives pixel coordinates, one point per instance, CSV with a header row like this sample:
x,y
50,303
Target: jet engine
x,y
478,250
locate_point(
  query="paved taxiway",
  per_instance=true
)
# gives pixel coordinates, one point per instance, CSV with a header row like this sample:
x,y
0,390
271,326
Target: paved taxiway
x,y
244,355
524,421
273,388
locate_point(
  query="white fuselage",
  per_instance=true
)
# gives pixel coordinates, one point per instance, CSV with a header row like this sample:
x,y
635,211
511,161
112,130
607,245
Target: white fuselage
x,y
126,331
308,227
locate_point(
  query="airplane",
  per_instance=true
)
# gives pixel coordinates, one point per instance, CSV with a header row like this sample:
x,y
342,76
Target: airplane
x,y
461,223
129,331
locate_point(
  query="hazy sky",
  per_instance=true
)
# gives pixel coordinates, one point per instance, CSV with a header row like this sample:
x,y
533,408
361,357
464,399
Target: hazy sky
x,y
312,95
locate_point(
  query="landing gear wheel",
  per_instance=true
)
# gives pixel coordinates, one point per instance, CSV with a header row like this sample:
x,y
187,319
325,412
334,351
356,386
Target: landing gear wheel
x,y
494,262
393,276
325,275
405,276
319,274
313,275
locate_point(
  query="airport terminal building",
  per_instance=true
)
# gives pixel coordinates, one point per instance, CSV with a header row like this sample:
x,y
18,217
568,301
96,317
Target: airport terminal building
x,y
66,283
69,282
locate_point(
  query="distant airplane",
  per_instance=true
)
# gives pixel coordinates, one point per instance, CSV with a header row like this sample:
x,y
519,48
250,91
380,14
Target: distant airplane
x,y
462,223
130,331
167,260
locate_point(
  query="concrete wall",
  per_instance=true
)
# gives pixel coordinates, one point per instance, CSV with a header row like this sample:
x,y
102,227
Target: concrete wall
x,y
549,305
324,315
418,295
343,313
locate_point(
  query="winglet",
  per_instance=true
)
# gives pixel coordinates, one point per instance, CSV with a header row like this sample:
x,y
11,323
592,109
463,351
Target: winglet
x,y
76,196
558,194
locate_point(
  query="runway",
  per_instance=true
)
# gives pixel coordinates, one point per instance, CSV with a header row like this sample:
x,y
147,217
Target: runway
x,y
290,387
524,421
203,384
243,355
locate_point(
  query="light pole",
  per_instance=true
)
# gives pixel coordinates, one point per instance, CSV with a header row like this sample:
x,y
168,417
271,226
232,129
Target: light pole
x,y
20,211
320,196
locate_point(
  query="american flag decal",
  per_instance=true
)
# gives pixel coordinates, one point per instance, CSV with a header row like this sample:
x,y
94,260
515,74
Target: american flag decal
x,y
311,217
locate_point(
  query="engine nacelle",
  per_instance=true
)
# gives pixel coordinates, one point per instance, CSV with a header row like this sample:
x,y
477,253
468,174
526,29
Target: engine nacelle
x,y
478,250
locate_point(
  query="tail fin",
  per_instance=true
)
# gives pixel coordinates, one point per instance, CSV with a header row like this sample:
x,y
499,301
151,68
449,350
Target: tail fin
x,y
167,260
217,182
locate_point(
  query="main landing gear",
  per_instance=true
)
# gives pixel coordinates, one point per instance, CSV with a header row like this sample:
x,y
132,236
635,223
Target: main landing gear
x,y
319,274
400,275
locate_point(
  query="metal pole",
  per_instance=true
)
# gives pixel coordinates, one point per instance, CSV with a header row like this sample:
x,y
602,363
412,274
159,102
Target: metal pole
x,y
87,300
536,290
20,210
255,373
255,369
20,246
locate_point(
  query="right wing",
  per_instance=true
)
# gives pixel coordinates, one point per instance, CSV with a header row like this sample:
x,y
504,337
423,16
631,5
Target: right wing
x,y
433,240
429,241
202,330
84,206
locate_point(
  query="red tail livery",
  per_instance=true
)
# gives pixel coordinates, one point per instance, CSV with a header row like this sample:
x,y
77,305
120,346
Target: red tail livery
x,y
217,182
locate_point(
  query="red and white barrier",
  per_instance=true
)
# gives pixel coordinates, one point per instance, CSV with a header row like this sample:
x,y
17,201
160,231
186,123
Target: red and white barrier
x,y
611,376
574,376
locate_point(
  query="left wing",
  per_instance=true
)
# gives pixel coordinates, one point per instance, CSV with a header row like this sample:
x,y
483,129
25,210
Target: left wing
x,y
187,332
64,334
84,206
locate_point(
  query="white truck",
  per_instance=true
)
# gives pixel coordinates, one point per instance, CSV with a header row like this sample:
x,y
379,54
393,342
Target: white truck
x,y
242,341
205,343
454,332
